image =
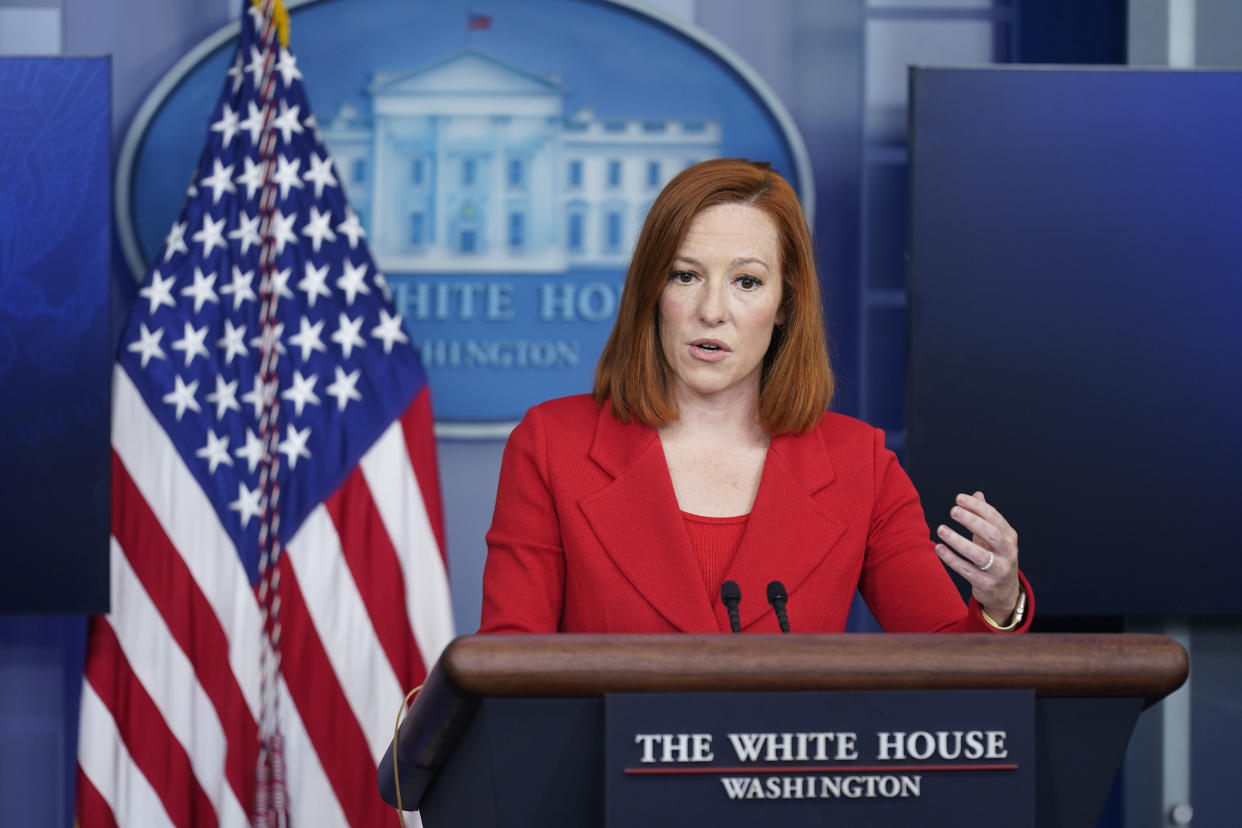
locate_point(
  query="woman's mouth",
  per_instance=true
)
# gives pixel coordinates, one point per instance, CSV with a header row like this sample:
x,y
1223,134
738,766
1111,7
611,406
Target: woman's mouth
x,y
709,345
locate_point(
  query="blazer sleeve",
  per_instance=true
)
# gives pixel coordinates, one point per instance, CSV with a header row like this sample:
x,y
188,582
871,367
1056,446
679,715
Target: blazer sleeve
x,y
903,581
524,577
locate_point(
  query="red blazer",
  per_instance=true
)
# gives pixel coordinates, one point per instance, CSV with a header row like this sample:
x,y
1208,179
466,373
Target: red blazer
x,y
587,535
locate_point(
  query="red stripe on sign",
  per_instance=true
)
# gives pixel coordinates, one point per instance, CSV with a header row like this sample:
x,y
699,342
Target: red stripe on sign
x,y
330,723
770,771
373,562
155,751
417,425
191,621
93,809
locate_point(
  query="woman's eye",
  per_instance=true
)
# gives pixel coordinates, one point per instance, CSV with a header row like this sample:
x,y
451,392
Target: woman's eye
x,y
748,282
683,277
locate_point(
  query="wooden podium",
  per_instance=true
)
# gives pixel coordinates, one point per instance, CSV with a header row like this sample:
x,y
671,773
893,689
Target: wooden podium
x,y
1089,690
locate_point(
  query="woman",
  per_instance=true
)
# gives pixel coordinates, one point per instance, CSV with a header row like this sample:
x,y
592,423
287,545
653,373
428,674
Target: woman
x,y
706,454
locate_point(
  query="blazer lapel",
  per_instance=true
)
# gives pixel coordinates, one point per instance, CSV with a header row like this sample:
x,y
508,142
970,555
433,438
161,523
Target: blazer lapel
x,y
637,521
789,532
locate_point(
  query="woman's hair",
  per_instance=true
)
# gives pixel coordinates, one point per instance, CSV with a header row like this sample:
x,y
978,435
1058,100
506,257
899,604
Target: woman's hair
x,y
796,383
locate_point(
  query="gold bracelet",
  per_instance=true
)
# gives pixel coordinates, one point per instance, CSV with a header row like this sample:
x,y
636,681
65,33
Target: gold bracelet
x,y
1015,618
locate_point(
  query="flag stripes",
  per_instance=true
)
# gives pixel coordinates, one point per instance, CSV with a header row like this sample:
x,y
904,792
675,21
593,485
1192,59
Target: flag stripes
x,y
174,694
318,696
420,442
92,809
110,770
393,486
341,624
186,517
190,621
344,554
154,748
378,575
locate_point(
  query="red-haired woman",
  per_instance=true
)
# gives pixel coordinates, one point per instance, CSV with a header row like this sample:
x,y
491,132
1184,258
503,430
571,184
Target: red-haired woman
x,y
705,454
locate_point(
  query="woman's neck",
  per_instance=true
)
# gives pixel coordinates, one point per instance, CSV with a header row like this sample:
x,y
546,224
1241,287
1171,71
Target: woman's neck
x,y
715,455
729,420
734,412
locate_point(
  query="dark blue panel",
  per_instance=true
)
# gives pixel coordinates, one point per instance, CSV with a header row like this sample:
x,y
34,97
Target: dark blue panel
x,y
54,346
886,344
1075,297
1072,31
40,687
887,205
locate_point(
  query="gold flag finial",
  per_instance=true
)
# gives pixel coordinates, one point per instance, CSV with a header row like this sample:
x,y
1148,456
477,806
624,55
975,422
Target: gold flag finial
x,y
280,16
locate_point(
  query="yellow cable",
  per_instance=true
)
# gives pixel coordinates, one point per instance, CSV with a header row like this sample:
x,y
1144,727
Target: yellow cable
x,y
396,773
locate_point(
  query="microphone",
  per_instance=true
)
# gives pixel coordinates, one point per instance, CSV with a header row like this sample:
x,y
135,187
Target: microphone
x,y
777,598
731,594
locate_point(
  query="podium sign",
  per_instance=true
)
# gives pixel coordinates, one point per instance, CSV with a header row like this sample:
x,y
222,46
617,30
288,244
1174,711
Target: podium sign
x,y
888,758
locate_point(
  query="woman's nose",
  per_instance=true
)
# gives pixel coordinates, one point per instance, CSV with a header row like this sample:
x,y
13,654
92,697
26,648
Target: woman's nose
x,y
713,304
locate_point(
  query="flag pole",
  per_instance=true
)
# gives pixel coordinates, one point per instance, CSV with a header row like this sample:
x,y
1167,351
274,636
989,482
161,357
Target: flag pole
x,y
271,802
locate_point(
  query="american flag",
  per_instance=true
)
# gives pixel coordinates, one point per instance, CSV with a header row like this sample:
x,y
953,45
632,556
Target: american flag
x,y
277,573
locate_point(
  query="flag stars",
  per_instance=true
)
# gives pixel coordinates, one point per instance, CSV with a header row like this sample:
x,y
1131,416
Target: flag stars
x,y
287,175
308,338
389,330
317,228
302,393
282,231
252,452
353,281
279,283
211,235
236,73
256,16
314,283
239,288
191,344
228,125
294,445
203,290
287,122
383,285
174,242
287,66
252,179
247,232
215,452
294,230
350,228
220,181
259,395
182,397
310,123
253,123
159,291
233,341
224,398
148,344
255,66
270,336
320,174
248,504
347,335
343,387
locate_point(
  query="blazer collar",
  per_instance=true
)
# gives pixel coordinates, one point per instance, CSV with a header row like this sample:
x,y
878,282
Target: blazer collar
x,y
790,530
637,520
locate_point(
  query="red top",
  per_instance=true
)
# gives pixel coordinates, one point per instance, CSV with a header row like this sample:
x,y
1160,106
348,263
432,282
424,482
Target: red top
x,y
715,541
587,535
